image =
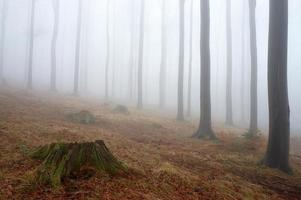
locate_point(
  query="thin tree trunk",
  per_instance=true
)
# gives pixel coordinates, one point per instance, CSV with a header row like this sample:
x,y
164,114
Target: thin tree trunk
x,y
190,61
242,80
253,92
56,7
77,48
277,155
205,129
140,64
163,56
229,115
108,51
131,58
31,43
180,115
3,20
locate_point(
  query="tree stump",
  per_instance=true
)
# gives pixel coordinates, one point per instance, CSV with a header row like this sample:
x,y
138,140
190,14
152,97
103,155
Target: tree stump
x,y
63,160
121,109
83,117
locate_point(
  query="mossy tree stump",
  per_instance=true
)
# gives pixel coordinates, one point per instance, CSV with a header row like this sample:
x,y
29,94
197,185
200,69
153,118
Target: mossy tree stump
x,y
83,117
63,160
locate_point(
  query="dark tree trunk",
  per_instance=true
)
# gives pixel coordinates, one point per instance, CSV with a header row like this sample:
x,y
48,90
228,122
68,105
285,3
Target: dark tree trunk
x,y
253,45
140,64
190,61
77,48
31,43
56,8
180,115
108,51
3,20
229,115
163,56
205,129
277,155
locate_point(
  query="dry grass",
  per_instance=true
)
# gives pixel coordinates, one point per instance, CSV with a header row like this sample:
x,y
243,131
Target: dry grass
x,y
164,162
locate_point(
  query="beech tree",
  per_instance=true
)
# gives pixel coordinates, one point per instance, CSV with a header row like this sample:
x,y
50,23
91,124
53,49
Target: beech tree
x,y
205,128
253,89
277,155
180,115
56,8
2,39
31,43
190,61
108,51
140,59
163,55
78,48
229,114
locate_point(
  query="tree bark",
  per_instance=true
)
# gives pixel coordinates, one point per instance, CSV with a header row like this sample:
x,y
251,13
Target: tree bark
x,y
253,89
140,62
180,115
190,61
163,56
56,8
277,155
242,80
31,43
2,39
229,114
78,48
205,128
108,51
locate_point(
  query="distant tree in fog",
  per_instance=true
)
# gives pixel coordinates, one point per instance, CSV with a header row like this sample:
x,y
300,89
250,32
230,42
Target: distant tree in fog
x,y
243,61
229,114
2,39
140,62
31,43
190,61
180,114
56,10
205,128
78,48
132,48
108,50
277,155
253,89
163,55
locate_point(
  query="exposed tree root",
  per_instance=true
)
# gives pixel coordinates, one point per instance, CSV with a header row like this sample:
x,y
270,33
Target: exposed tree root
x,y
61,160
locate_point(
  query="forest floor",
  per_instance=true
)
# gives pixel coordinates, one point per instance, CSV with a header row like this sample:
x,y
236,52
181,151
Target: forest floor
x,y
165,162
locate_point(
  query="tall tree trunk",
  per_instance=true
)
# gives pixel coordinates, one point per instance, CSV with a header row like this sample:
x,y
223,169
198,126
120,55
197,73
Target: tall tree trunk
x,y
163,56
205,129
190,61
3,20
77,48
180,115
131,58
253,91
31,43
229,114
242,80
140,64
108,51
56,8
277,155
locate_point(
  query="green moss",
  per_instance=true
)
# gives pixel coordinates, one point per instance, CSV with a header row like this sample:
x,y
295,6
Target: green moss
x,y
64,160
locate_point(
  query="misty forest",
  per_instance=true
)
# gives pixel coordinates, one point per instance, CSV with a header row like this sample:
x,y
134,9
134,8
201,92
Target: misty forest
x,y
150,99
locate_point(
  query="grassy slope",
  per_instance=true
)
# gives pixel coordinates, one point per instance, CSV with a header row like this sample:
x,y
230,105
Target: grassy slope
x,y
166,163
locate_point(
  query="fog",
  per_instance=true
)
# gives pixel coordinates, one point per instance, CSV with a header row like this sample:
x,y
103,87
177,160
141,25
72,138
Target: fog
x,y
124,21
